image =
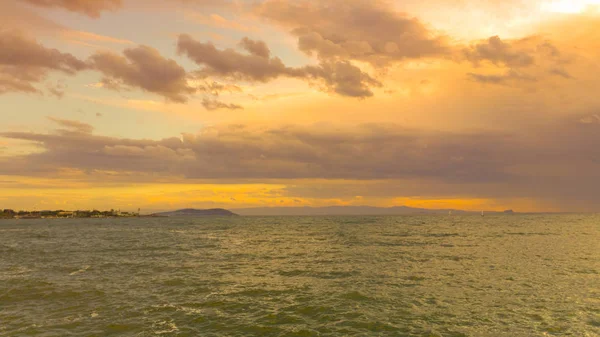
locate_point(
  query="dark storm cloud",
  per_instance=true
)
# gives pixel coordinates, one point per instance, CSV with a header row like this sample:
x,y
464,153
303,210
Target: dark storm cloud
x,y
143,67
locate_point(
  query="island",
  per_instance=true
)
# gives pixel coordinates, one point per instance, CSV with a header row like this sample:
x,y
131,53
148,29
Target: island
x,y
191,212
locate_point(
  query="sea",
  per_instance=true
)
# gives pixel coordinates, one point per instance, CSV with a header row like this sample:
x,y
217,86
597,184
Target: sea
x,y
425,275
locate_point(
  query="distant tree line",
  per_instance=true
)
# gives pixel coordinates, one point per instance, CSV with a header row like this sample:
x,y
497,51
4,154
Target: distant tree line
x,y
10,214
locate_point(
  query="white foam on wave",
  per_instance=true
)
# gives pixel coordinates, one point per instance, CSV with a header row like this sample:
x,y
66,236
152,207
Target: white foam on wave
x,y
167,326
82,270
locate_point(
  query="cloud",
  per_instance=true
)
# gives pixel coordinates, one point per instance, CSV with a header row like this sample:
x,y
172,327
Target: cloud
x,y
519,53
524,60
13,84
87,36
509,76
20,51
560,72
218,21
258,48
344,78
57,89
213,104
498,52
143,67
92,8
72,125
230,63
15,16
24,62
95,8
270,97
366,30
340,77
148,151
591,119
202,84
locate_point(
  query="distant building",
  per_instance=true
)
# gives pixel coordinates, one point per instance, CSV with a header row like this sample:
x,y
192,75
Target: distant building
x,y
65,214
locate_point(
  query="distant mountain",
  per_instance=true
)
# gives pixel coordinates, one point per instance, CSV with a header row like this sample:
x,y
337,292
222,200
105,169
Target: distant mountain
x,y
191,212
347,210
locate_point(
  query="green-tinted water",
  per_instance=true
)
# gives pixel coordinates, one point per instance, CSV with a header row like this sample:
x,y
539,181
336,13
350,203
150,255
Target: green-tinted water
x,y
521,275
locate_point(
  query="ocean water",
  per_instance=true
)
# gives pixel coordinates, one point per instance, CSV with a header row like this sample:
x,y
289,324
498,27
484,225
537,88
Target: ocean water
x,y
504,275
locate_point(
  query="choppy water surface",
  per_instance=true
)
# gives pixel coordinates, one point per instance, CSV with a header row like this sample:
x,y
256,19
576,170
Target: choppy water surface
x,y
521,275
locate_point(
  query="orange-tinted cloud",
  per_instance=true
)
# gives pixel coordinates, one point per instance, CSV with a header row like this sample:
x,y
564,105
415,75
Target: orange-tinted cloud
x,y
368,30
24,62
258,48
520,53
522,60
508,77
91,8
72,125
218,21
230,63
143,67
95,8
87,36
214,104
341,77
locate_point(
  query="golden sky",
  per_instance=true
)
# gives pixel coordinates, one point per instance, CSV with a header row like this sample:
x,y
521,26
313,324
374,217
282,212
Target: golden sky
x,y
470,104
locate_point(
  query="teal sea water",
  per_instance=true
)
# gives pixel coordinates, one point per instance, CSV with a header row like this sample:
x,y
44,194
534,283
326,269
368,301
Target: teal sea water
x,y
499,275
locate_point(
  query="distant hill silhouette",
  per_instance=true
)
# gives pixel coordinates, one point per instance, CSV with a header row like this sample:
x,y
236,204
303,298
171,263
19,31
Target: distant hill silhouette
x,y
349,210
191,212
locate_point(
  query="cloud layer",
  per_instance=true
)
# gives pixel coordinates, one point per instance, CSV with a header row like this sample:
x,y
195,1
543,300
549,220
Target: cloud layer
x,y
384,152
538,165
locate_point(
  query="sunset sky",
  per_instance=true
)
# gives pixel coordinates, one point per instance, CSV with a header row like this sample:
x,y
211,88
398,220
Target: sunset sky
x,y
166,104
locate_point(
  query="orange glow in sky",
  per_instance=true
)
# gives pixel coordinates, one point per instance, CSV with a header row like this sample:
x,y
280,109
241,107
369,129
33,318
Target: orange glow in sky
x,y
170,104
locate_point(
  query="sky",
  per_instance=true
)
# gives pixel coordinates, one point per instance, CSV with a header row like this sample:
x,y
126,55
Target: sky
x,y
159,105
